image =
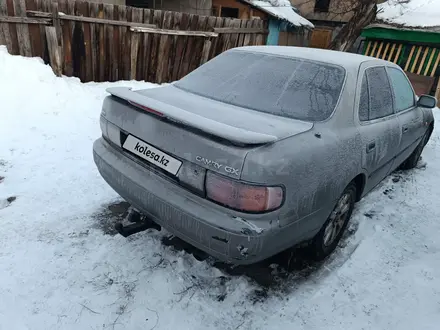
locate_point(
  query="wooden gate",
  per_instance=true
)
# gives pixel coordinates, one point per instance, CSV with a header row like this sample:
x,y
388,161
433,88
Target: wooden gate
x,y
320,38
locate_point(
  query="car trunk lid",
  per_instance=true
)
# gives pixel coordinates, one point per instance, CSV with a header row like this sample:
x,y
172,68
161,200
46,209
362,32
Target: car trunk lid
x,y
214,135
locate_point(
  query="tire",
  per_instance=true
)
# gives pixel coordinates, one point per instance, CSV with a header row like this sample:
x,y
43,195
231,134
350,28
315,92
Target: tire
x,y
323,244
413,159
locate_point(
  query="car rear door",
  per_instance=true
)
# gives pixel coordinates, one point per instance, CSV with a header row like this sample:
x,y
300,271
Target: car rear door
x,y
378,125
409,116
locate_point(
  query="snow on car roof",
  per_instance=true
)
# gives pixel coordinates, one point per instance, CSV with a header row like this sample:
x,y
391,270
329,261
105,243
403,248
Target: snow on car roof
x,y
410,13
315,54
281,9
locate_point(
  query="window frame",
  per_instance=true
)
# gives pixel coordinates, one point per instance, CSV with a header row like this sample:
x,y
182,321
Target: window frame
x,y
360,80
414,106
322,9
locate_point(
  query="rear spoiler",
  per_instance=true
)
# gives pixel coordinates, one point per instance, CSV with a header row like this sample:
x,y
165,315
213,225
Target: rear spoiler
x,y
233,134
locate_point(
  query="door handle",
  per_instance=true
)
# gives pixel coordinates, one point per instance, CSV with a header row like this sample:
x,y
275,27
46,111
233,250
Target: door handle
x,y
371,146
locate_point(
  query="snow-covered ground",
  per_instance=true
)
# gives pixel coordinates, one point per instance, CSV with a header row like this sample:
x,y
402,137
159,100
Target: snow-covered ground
x,y
60,269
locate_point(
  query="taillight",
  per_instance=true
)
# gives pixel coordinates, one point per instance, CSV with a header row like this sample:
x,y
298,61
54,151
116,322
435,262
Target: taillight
x,y
143,107
241,196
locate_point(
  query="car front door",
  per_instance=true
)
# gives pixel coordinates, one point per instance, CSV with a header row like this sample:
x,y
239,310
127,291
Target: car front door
x,y
410,117
378,125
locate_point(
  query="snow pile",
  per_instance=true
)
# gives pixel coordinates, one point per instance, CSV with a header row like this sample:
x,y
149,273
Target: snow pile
x,y
281,9
59,270
411,13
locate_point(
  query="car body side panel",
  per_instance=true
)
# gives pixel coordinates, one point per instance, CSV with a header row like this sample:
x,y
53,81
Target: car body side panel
x,y
412,129
314,167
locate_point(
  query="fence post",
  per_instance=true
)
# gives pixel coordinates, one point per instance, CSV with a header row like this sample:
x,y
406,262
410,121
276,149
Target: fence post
x,y
54,50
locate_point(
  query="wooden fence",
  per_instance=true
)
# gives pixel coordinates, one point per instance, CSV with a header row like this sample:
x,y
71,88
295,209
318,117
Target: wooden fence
x,y
104,42
420,63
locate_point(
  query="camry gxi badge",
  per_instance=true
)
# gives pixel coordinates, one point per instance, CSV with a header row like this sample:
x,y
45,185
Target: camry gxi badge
x,y
216,165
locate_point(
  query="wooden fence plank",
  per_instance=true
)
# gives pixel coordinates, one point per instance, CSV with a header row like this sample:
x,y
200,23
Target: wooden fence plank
x,y
88,19
2,36
24,42
261,37
399,50
208,43
82,8
25,20
198,44
94,35
186,60
9,11
408,62
177,33
413,67
146,45
227,36
234,36
434,68
242,34
429,61
425,54
172,60
4,27
123,53
385,52
215,44
157,19
54,50
65,37
116,65
136,60
102,45
163,51
127,41
254,25
43,43
247,36
180,47
110,68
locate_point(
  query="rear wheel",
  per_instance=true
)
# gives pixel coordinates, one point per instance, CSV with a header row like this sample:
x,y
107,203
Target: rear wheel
x,y
331,232
413,159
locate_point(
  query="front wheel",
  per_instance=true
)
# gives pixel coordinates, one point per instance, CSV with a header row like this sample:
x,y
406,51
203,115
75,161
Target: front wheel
x,y
328,237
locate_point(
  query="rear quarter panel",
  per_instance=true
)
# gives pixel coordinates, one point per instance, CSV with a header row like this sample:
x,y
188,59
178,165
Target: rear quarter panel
x,y
314,167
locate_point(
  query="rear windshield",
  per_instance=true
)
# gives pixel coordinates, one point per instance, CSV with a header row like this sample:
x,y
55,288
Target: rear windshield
x,y
289,87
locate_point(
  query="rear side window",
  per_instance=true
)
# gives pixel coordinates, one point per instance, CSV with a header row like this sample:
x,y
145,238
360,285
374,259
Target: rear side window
x,y
282,86
376,100
403,92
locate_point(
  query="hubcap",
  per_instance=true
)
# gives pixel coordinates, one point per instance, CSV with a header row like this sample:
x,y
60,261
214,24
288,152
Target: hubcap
x,y
337,219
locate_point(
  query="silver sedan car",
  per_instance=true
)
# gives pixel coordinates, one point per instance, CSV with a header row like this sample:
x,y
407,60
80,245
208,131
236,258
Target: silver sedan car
x,y
261,149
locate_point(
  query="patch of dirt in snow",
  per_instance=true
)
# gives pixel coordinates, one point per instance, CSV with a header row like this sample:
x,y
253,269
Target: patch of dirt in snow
x,y
109,215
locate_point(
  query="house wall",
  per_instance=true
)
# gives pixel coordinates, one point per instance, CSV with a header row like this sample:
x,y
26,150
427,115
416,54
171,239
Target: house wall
x,y
199,7
244,11
337,10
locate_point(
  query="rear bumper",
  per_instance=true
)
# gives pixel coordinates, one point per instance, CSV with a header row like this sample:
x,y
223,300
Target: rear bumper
x,y
187,216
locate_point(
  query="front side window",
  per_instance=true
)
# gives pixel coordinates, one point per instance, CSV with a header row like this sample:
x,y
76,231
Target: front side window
x,y
283,86
403,93
376,100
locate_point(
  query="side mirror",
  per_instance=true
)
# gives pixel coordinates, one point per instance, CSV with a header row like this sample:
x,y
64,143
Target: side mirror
x,y
427,101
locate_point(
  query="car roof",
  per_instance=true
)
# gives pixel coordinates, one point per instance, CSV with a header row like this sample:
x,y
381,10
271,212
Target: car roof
x,y
346,60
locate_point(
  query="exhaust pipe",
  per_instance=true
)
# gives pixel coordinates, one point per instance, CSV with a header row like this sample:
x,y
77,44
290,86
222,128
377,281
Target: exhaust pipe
x,y
139,223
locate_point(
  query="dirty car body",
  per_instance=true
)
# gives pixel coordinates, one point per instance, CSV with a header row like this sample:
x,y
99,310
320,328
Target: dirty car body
x,y
247,155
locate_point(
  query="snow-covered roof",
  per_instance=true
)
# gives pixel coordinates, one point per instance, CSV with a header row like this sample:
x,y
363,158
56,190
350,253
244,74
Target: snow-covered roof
x,y
281,9
410,13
